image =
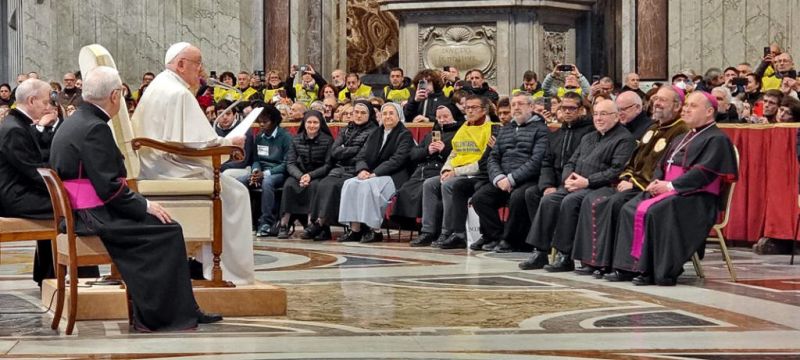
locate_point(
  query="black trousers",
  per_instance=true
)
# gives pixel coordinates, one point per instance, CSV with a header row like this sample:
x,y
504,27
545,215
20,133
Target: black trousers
x,y
556,220
455,195
486,202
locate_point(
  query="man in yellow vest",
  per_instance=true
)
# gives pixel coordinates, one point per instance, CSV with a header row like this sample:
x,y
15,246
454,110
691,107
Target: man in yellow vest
x,y
354,89
243,82
399,88
574,81
530,85
307,90
773,68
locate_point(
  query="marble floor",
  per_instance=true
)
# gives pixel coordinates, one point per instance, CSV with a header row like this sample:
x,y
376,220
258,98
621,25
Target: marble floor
x,y
390,301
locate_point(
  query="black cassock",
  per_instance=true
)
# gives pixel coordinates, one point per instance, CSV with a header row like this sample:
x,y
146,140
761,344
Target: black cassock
x,y
22,191
150,256
677,226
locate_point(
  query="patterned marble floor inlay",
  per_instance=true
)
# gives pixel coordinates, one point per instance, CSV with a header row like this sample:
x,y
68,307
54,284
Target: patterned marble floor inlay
x,y
391,301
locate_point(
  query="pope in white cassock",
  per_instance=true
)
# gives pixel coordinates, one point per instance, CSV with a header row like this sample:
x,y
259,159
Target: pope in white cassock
x,y
169,111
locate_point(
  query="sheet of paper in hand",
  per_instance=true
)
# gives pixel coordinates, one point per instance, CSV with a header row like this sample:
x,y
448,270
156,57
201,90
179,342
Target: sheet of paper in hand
x,y
244,126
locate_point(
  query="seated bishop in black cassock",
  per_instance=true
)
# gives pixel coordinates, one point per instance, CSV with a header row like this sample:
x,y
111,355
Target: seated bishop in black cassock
x,y
147,248
661,228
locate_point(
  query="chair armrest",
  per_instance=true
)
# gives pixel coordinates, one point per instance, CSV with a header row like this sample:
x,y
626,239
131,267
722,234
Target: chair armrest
x,y
235,152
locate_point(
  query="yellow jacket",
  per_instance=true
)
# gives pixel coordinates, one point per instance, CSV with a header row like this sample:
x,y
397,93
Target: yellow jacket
x,y
363,91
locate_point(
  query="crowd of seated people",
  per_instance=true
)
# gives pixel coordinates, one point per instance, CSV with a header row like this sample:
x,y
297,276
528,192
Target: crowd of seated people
x,y
547,152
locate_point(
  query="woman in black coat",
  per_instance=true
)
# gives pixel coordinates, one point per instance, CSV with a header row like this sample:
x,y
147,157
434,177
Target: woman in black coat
x,y
428,158
306,163
382,167
325,205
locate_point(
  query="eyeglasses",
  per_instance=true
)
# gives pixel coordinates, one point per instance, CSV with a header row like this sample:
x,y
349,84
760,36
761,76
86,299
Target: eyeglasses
x,y
569,108
198,62
602,113
473,108
626,108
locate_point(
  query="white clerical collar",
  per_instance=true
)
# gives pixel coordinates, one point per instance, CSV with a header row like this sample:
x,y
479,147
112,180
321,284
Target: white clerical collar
x,y
101,109
178,77
24,112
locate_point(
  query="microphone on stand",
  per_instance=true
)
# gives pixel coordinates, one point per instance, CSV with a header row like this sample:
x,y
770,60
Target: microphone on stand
x,y
216,83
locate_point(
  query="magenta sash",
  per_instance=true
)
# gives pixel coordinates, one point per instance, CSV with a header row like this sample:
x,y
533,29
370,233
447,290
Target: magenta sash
x,y
81,194
641,210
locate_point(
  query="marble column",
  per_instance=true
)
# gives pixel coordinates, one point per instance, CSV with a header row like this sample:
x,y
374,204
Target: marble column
x,y
651,39
276,35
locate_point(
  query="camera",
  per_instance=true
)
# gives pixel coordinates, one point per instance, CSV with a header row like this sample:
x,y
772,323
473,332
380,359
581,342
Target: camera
x,y
54,98
423,84
303,69
767,51
595,78
739,81
565,68
213,74
446,68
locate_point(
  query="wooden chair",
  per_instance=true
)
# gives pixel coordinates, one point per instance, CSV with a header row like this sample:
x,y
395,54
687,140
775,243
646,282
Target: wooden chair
x,y
71,250
194,203
727,196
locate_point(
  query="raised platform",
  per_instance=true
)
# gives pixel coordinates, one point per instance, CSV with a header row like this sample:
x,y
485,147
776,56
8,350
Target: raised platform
x,y
102,302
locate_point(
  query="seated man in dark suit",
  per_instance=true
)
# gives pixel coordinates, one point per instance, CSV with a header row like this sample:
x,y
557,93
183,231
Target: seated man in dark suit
x,y
22,191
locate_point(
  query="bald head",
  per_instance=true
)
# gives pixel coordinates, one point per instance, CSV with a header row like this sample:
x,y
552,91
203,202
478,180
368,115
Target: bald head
x,y
630,106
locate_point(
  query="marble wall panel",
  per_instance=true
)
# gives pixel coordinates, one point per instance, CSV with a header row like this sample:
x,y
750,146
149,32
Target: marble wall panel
x,y
137,33
729,31
713,33
372,37
674,36
734,20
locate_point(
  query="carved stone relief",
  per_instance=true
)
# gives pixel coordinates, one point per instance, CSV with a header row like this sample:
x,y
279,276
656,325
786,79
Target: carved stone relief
x,y
463,46
554,49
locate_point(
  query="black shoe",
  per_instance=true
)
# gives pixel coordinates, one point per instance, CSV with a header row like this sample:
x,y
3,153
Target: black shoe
x,y
585,270
478,245
350,236
643,280
371,237
441,239
195,269
503,247
598,274
454,241
207,318
537,261
283,232
311,231
563,263
424,239
274,230
619,275
324,234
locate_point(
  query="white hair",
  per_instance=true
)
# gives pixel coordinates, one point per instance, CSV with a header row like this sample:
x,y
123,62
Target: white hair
x,y
725,91
99,83
30,88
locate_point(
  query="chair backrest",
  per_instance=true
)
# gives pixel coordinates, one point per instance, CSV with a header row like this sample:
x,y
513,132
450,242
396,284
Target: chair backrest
x,y
727,195
92,56
58,197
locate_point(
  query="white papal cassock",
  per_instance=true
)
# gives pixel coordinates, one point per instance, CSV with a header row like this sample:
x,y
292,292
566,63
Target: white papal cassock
x,y
168,111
